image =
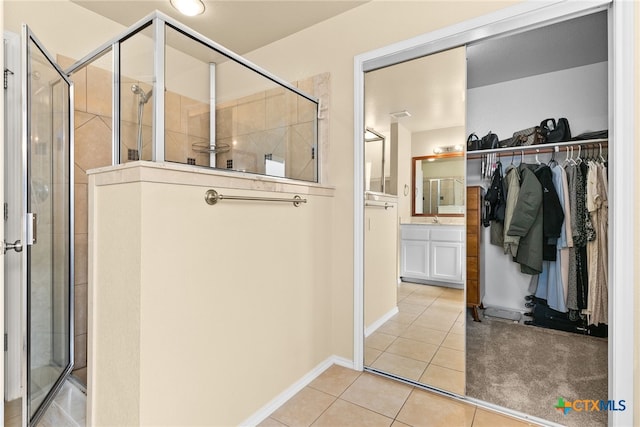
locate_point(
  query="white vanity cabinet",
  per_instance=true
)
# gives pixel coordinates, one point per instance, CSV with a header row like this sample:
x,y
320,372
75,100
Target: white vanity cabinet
x,y
431,253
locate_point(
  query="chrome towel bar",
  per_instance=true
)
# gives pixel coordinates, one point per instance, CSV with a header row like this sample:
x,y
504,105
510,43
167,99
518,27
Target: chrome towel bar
x,y
379,205
212,197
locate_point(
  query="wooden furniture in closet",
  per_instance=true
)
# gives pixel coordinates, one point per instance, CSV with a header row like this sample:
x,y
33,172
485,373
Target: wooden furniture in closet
x,y
475,290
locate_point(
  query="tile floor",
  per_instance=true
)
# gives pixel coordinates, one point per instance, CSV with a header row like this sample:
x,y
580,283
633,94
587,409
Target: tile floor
x,y
425,341
344,397
67,410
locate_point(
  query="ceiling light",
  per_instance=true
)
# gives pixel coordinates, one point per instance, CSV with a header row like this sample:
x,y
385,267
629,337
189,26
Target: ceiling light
x,y
188,7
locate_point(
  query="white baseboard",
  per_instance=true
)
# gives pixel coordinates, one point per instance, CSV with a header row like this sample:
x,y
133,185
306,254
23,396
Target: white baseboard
x,y
375,325
270,407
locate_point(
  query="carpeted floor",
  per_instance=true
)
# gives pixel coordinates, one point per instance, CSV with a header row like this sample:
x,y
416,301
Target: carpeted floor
x,y
527,368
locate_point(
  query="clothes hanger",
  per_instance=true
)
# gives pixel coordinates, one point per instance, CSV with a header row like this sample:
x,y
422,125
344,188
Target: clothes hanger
x,y
602,159
579,159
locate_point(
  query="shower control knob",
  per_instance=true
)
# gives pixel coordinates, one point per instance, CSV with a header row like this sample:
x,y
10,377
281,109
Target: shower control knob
x,y
16,246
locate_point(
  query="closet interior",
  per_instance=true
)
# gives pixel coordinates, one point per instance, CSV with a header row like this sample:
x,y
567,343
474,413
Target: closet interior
x,y
541,334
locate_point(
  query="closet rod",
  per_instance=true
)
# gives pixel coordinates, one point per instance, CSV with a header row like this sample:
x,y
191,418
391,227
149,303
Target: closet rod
x,y
537,149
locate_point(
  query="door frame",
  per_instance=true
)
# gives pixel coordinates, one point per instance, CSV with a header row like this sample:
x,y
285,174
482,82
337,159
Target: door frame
x,y
529,14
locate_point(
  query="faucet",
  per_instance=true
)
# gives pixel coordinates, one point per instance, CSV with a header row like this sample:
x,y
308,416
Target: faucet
x,y
435,219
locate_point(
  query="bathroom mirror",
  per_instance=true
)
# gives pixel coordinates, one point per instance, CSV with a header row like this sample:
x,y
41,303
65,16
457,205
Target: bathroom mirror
x,y
438,185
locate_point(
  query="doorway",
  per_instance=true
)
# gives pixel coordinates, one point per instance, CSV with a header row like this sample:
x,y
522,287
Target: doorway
x,y
519,18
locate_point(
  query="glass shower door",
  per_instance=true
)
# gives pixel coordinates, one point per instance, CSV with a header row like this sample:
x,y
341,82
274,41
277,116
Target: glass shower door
x,y
48,226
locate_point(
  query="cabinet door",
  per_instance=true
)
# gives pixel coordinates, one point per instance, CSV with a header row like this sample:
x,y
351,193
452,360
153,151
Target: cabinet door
x,y
415,259
446,261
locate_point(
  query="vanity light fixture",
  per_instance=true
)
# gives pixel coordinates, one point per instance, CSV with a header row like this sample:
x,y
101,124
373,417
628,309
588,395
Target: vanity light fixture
x,y
448,149
188,7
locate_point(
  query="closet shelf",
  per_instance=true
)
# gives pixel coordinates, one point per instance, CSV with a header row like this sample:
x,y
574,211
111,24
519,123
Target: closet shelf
x,y
542,148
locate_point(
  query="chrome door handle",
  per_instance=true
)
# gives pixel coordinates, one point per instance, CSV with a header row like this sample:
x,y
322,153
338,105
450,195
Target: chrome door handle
x,y
16,246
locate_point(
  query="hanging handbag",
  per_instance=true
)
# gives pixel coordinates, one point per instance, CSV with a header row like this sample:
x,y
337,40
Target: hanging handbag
x,y
556,132
473,142
529,136
489,141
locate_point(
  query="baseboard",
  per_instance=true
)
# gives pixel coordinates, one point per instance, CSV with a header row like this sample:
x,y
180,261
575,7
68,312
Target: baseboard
x,y
375,325
270,407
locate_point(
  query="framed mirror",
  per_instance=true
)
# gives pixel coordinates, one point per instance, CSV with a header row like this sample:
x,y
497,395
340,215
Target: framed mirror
x,y
438,185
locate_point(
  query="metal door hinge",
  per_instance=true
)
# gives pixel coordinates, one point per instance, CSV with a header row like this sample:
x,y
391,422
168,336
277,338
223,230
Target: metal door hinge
x,y
6,211
7,72
6,342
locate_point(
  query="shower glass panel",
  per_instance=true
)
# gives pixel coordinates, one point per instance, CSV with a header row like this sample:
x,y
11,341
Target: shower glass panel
x,y
222,114
49,276
136,92
183,98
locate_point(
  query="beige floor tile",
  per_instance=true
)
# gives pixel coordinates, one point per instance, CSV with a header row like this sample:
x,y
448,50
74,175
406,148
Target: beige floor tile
x,y
432,291
270,422
418,299
454,341
397,423
379,341
444,378
343,413
335,380
378,394
391,327
419,333
303,408
370,355
440,323
413,349
404,307
400,366
486,418
430,410
459,327
13,408
404,318
449,358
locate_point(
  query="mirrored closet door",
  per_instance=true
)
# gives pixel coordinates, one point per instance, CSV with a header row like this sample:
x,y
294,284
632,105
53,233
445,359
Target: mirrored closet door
x,y
452,299
414,308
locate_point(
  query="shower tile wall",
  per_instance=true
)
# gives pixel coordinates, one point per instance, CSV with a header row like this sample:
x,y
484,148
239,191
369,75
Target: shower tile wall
x,y
255,123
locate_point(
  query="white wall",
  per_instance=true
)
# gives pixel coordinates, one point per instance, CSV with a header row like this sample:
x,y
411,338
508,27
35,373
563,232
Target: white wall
x,y
523,103
580,95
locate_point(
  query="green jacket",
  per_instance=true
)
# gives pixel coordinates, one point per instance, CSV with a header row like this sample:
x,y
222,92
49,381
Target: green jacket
x,y
527,222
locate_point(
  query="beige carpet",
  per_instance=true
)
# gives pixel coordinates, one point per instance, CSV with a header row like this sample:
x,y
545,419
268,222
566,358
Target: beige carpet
x,y
527,368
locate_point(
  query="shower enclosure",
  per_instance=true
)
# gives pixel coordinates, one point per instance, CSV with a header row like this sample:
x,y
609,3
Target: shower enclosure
x,y
159,92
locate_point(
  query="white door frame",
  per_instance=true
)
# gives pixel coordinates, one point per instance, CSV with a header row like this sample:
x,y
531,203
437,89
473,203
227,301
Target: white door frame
x,y
622,176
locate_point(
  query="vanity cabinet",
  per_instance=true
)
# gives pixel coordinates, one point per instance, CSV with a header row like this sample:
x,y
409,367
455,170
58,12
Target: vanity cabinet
x,y
431,253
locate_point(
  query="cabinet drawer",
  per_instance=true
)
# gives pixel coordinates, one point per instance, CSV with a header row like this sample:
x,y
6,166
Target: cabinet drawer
x,y
473,293
444,235
412,232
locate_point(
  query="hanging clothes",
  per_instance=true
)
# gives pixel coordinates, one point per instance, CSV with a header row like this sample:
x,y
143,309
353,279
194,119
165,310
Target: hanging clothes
x,y
551,281
512,186
576,295
552,213
526,222
597,249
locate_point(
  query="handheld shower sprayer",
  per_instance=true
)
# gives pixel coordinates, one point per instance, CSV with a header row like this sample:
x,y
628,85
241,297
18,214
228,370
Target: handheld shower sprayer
x,y
144,96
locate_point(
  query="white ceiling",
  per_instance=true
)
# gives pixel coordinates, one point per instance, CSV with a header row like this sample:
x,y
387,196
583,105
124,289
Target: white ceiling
x,y
238,25
433,88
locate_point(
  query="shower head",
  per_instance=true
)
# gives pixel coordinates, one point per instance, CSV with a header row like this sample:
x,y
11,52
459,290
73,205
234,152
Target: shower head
x,y
144,96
